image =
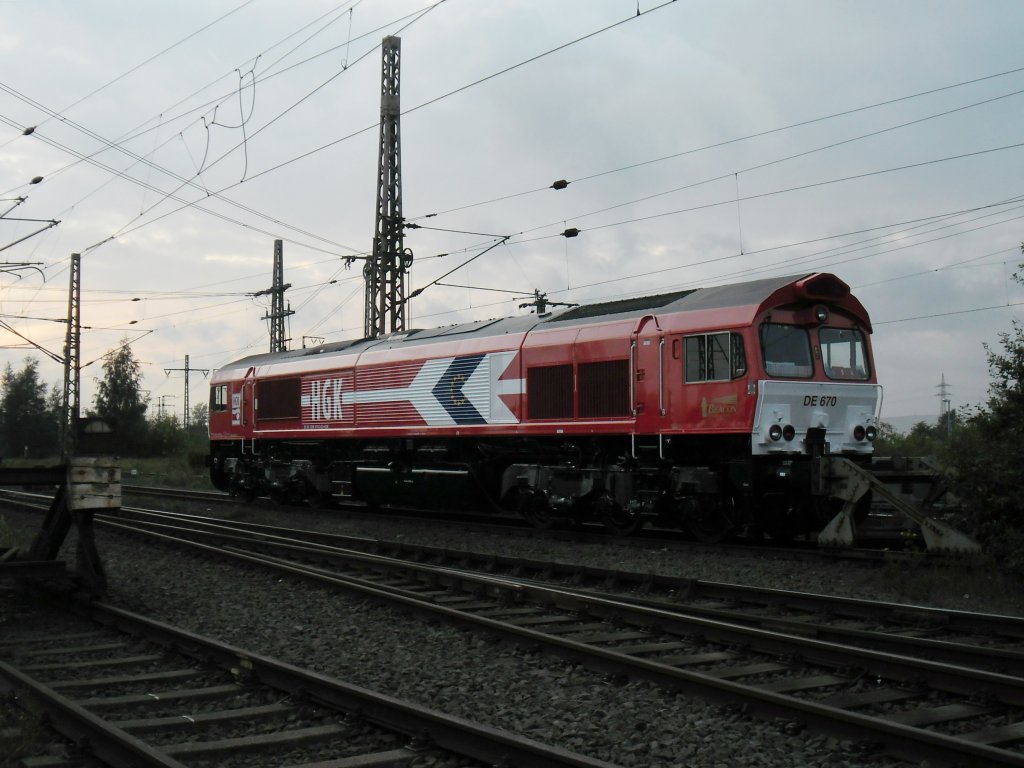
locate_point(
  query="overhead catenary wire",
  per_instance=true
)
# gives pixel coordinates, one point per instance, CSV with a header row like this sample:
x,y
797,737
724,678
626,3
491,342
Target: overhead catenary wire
x,y
358,253
152,58
404,112
591,34
463,88
563,184
140,131
919,222
942,268
572,232
167,119
733,201
794,188
672,268
787,158
776,267
127,228
122,174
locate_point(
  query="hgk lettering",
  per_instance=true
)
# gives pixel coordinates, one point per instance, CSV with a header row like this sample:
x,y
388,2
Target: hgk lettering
x,y
325,400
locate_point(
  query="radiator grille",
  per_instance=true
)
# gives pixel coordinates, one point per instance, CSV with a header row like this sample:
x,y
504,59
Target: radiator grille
x,y
604,389
549,392
278,399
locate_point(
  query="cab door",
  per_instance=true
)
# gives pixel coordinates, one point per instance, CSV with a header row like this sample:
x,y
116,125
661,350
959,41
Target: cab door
x,y
674,397
647,357
246,404
714,388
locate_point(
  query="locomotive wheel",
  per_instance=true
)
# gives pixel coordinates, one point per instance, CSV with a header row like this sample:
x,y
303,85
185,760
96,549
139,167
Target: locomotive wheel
x,y
318,500
782,531
532,505
618,521
710,522
538,512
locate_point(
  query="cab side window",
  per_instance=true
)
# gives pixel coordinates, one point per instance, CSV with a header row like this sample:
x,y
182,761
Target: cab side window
x,y
219,398
713,357
696,358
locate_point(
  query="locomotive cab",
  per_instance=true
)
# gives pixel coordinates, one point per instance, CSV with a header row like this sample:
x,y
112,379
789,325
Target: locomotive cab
x,y
817,381
817,396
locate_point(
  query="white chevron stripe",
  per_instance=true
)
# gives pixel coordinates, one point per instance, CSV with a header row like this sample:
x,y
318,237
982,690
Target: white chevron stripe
x,y
482,389
499,412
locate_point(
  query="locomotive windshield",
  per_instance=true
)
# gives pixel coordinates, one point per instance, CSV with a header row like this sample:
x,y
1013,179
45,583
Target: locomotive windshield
x,y
787,351
844,354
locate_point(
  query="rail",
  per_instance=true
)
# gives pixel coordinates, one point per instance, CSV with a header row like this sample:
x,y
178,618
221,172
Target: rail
x,y
618,636
224,673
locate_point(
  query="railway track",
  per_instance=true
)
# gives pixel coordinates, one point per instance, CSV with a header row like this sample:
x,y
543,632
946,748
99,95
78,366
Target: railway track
x,y
130,691
916,708
957,637
893,544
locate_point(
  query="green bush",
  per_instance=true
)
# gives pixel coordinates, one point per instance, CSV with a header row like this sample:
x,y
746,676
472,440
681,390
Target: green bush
x,y
985,465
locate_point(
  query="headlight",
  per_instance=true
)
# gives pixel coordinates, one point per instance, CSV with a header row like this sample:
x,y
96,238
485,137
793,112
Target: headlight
x,y
775,432
871,433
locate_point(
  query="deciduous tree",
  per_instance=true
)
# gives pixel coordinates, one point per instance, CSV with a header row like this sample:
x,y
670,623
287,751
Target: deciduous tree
x,y
27,424
120,396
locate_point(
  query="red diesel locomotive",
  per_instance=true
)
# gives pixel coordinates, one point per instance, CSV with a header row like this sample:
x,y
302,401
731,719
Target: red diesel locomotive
x,y
702,409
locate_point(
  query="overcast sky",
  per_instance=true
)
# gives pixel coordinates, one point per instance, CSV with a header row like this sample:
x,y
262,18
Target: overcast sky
x,y
706,142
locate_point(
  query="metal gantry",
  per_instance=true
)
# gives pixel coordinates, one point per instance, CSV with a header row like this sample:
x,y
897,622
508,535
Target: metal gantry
x,y
384,272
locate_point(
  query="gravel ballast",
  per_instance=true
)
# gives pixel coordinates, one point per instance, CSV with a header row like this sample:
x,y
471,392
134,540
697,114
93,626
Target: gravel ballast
x,y
507,686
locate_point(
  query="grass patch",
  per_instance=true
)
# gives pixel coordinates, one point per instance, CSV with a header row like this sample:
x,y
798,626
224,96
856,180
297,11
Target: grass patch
x,y
165,471
7,538
19,463
985,587
21,733
178,471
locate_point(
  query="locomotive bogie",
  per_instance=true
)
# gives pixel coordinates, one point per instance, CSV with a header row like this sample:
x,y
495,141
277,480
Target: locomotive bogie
x,y
702,409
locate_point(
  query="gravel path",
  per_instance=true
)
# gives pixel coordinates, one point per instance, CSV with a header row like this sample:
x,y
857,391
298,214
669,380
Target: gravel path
x,y
632,724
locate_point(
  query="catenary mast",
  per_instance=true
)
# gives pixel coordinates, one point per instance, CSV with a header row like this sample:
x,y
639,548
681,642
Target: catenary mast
x,y
277,314
384,272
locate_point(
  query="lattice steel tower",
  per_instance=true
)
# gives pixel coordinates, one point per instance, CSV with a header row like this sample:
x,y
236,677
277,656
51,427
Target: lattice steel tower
x,y
277,314
72,359
186,418
384,272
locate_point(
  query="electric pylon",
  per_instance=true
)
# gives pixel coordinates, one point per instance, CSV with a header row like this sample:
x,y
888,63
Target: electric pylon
x,y
277,314
384,272
186,417
71,405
